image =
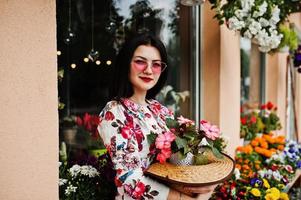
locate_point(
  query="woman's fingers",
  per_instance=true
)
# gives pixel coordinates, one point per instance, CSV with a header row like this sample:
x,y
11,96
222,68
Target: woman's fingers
x,y
199,190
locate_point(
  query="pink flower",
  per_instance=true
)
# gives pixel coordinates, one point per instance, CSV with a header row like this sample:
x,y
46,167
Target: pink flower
x,y
139,190
183,120
211,131
164,140
163,155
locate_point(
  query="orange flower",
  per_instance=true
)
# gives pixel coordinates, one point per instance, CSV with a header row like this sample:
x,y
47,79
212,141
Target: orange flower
x,y
257,166
254,143
264,145
238,166
280,147
246,167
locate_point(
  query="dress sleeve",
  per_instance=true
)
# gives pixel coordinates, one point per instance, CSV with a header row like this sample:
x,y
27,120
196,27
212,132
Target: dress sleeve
x,y
121,139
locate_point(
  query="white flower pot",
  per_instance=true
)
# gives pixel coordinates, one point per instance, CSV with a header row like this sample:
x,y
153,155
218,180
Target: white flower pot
x,y
189,160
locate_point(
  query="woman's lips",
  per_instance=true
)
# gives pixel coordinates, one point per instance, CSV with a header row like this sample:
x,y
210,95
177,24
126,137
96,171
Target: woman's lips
x,y
145,79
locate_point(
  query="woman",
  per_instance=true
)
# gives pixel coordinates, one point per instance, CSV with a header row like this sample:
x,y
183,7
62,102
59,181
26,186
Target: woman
x,y
140,73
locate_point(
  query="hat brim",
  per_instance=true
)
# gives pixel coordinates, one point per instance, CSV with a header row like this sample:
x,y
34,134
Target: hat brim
x,y
194,175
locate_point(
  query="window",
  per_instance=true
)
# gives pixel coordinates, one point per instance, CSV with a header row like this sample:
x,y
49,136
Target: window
x,y
90,33
252,73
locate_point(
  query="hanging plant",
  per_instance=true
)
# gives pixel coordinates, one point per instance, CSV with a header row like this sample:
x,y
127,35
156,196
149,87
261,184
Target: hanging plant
x,y
258,20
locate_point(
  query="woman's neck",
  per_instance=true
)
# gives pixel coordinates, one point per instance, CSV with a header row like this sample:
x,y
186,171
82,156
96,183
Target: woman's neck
x,y
139,98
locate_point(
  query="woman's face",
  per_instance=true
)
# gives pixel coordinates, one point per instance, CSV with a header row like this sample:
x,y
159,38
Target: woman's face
x,y
145,68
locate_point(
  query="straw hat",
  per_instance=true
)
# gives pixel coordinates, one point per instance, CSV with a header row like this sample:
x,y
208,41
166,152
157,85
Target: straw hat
x,y
194,175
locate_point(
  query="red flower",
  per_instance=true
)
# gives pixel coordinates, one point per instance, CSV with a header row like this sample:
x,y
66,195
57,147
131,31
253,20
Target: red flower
x,y
243,120
126,132
270,105
139,190
263,107
253,120
79,121
109,116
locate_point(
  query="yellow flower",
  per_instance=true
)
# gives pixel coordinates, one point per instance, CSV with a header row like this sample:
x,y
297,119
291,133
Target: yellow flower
x,y
266,184
273,194
283,196
269,196
255,192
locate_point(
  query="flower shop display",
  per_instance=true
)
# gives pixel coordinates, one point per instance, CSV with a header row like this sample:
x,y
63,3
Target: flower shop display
x,y
189,150
263,169
261,120
258,20
86,170
86,178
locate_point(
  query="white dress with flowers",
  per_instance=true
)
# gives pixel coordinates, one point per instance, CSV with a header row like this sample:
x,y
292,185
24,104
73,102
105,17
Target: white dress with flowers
x,y
124,126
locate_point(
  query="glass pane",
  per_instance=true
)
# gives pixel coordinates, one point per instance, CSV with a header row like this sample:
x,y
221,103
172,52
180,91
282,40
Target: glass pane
x,y
252,73
90,42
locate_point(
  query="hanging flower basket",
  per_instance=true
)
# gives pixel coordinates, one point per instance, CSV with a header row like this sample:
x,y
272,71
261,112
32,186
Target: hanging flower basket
x,y
258,20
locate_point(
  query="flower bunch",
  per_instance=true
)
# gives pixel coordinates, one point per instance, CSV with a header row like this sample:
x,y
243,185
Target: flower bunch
x,y
267,144
255,19
90,123
269,117
85,177
184,139
261,120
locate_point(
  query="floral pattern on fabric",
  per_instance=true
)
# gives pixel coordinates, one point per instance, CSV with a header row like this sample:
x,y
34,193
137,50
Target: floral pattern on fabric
x,y
124,127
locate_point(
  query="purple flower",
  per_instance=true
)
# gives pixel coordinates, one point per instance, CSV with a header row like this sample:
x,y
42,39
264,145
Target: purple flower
x,y
256,182
299,164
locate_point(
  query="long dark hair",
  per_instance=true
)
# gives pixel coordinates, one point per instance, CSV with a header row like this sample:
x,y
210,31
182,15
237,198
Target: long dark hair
x,y
121,85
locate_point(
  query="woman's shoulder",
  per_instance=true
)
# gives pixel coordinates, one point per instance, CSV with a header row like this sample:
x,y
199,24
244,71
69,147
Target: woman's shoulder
x,y
111,106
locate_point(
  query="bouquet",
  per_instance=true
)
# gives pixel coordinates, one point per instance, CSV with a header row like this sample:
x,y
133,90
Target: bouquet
x,y
187,143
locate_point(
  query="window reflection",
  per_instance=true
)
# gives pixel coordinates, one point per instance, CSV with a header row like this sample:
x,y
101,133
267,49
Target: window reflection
x,y
97,37
252,73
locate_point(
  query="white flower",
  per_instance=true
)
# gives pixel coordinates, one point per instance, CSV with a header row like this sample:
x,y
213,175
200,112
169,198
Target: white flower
x,y
277,175
275,15
248,34
263,22
204,142
235,24
70,189
237,173
262,10
84,170
247,4
75,170
60,163
254,27
62,181
240,14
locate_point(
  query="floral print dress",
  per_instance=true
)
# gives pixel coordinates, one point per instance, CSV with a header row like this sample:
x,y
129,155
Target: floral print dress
x,y
124,126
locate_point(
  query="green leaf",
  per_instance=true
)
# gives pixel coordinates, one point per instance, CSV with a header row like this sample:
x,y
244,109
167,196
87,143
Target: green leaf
x,y
151,138
217,153
201,159
181,143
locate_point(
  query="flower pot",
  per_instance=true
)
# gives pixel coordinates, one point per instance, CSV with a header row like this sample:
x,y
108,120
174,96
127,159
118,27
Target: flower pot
x,y
176,160
70,135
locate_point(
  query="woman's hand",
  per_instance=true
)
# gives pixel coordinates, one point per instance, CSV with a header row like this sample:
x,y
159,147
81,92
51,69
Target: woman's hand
x,y
194,191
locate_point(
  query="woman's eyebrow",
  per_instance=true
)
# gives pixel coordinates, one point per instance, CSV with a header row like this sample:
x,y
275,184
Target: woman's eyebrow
x,y
143,58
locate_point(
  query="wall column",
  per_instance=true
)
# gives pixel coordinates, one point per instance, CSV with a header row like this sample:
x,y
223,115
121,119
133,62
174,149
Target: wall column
x,y
28,101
